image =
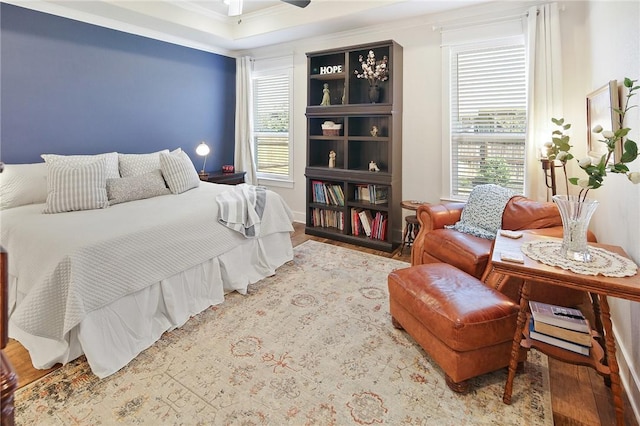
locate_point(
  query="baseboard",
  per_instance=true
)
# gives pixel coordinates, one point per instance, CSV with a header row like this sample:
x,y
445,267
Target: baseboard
x,y
629,377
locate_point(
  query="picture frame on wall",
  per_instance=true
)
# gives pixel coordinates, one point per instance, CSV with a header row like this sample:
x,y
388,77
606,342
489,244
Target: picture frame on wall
x,y
602,106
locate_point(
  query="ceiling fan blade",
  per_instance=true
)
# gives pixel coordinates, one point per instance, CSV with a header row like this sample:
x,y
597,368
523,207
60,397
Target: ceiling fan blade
x,y
299,3
235,7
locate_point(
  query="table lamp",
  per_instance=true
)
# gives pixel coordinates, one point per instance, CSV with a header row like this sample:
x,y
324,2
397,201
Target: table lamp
x,y
203,150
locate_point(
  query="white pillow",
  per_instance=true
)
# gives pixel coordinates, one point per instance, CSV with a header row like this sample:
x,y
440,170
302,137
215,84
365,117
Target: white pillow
x,y
139,164
179,171
137,187
111,165
22,184
76,187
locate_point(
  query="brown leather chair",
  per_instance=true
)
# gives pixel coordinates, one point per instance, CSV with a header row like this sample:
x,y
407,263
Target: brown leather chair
x,y
461,312
437,244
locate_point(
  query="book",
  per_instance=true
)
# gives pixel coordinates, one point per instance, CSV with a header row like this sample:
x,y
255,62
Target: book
x,y
356,224
578,337
318,192
560,316
378,194
328,195
337,189
367,220
573,347
362,193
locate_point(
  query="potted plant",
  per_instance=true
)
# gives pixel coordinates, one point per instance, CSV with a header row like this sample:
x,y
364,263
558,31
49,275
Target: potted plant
x,y
374,72
576,210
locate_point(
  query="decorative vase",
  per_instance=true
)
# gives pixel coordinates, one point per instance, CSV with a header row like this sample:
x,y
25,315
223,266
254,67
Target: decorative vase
x,y
575,222
374,93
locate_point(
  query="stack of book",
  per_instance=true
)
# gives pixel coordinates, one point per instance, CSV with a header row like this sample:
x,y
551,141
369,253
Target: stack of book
x,y
327,218
327,193
378,194
364,223
379,226
560,326
374,194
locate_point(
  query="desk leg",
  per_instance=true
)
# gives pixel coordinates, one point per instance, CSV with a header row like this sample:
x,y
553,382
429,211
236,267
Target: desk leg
x,y
610,344
517,338
600,329
598,317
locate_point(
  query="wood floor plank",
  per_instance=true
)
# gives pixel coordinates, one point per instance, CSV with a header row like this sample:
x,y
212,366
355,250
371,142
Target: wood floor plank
x,y
569,393
21,361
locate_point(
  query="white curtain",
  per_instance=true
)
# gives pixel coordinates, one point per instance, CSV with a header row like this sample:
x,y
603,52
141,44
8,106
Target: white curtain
x,y
244,158
545,91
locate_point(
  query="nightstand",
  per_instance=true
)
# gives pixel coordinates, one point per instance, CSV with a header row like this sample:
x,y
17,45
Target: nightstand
x,y
226,178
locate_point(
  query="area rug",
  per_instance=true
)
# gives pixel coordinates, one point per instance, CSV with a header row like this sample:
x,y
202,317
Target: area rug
x,y
312,345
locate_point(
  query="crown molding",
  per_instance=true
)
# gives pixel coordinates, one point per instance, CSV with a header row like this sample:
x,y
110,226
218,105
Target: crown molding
x,y
202,42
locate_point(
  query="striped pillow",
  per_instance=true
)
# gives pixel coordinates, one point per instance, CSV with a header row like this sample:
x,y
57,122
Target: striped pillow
x,y
111,158
179,171
76,187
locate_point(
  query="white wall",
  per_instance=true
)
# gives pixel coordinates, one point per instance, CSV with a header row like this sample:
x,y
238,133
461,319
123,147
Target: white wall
x,y
613,52
422,112
600,43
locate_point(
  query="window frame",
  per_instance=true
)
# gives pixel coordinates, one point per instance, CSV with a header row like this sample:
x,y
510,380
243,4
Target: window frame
x,y
512,35
264,69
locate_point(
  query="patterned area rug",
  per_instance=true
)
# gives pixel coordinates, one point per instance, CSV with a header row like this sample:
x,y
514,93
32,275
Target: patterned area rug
x,y
312,345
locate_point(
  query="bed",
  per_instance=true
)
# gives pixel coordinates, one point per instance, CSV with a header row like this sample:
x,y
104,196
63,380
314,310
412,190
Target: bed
x,y
107,282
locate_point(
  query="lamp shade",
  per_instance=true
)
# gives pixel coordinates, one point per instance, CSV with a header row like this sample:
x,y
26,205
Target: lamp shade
x,y
203,149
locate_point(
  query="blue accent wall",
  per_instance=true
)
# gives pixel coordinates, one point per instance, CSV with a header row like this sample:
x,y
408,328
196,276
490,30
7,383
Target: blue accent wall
x,y
69,87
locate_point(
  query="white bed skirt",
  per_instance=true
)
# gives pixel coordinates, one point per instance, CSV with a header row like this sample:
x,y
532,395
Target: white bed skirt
x,y
112,336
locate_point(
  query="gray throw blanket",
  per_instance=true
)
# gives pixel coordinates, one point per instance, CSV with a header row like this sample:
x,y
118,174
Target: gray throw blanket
x,y
482,215
241,209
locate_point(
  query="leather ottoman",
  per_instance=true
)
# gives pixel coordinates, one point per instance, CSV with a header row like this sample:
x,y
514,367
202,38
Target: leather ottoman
x,y
466,327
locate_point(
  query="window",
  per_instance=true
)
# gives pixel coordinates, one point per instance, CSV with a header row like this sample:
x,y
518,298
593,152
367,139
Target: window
x,y
272,100
488,115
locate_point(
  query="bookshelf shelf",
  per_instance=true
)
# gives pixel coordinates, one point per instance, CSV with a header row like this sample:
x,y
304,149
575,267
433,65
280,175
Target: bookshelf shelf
x,y
371,206
369,132
326,206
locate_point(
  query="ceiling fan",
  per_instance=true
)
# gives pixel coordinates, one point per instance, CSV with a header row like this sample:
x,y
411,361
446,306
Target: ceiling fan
x,y
235,6
299,3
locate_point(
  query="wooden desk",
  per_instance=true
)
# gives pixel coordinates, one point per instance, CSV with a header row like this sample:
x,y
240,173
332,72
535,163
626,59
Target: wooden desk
x,y
599,286
411,227
411,204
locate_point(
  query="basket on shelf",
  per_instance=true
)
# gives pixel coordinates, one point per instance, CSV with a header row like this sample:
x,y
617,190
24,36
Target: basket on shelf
x,y
329,128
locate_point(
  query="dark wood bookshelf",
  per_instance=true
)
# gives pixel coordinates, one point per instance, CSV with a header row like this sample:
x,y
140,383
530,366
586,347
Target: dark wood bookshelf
x,y
354,145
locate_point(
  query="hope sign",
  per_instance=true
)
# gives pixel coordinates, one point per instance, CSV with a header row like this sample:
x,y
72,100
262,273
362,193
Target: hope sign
x,y
331,69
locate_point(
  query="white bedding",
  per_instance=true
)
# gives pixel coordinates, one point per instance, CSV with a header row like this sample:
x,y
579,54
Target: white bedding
x,y
76,277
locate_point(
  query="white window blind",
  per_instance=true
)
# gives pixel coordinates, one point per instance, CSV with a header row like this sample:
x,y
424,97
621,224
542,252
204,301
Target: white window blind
x,y
488,116
272,104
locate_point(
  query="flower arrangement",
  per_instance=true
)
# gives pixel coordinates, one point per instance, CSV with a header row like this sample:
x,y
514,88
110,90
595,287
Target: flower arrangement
x,y
372,70
559,149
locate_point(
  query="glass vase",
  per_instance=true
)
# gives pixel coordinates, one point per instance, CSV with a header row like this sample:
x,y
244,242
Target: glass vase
x,y
575,223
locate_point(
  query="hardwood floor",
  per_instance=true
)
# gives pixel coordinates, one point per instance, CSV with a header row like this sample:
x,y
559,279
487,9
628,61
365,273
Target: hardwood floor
x,y
578,394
